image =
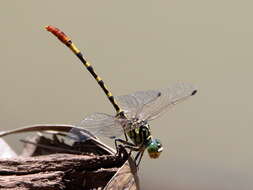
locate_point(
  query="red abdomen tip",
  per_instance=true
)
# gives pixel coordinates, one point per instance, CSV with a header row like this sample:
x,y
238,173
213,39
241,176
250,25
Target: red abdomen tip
x,y
58,33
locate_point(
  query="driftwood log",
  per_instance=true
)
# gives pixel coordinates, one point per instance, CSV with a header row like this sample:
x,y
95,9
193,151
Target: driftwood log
x,y
51,164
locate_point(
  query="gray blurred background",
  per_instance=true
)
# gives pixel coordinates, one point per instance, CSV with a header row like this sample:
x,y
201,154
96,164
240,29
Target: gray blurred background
x,y
140,45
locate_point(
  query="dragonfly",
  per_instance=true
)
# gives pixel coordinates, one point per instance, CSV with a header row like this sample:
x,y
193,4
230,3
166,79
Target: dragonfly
x,y
133,111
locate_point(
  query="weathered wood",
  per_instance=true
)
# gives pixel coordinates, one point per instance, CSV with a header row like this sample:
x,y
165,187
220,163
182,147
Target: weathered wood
x,y
58,170
57,162
57,165
125,178
47,181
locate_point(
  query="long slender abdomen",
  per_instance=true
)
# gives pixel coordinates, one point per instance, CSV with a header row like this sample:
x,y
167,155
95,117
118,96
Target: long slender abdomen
x,y
67,41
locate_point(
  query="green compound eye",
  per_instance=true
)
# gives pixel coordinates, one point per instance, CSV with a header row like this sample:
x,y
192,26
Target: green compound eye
x,y
155,148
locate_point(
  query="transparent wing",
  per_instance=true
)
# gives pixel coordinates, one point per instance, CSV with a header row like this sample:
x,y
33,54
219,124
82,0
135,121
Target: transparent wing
x,y
145,105
99,124
167,98
132,103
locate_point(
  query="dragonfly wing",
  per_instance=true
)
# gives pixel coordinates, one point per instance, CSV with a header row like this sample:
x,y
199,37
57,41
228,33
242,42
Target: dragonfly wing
x,y
167,98
99,124
132,103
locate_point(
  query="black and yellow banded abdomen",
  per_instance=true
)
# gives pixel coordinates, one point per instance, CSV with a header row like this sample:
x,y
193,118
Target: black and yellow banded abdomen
x,y
67,41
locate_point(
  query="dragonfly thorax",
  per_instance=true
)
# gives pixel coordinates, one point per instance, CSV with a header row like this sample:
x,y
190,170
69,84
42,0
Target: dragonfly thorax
x,y
141,136
140,132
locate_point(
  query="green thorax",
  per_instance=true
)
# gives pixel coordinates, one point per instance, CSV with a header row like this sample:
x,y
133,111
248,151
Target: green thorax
x,y
141,135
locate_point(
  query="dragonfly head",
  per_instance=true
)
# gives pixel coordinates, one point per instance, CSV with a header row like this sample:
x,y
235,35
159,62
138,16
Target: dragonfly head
x,y
154,148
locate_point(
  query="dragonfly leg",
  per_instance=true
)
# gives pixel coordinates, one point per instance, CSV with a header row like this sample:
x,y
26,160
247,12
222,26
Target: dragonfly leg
x,y
130,146
138,157
122,153
121,146
126,143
